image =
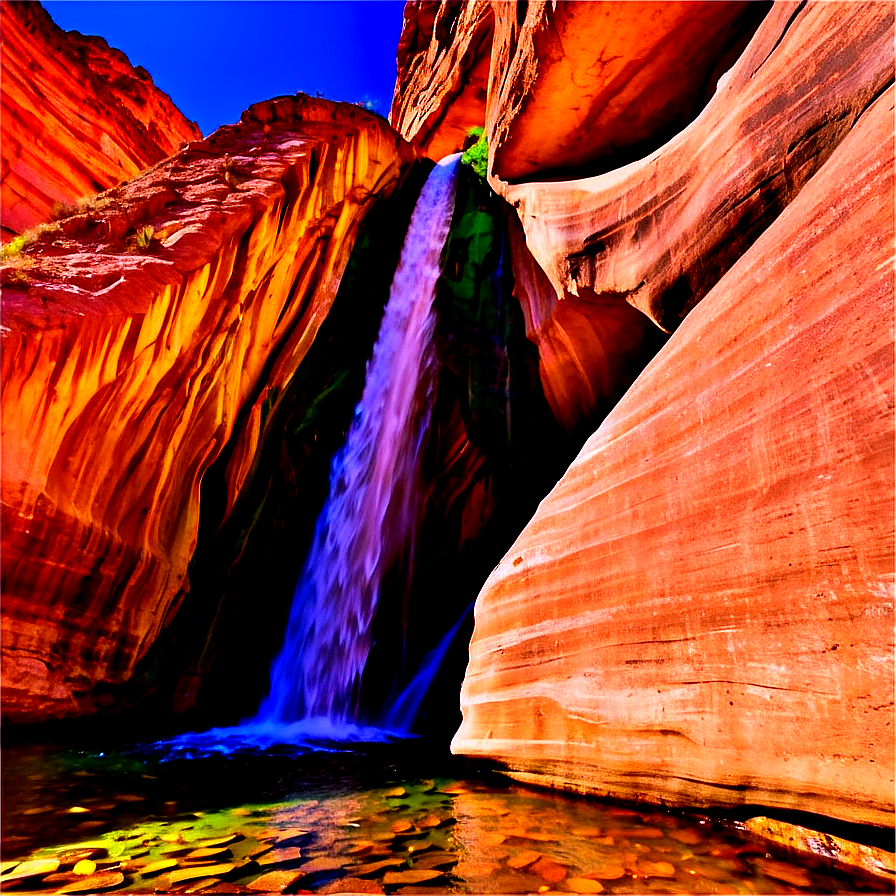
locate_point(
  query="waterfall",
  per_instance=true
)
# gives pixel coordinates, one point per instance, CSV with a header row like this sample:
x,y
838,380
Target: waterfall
x,y
370,514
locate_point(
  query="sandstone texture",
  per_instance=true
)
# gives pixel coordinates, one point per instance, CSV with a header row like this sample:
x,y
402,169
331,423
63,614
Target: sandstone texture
x,y
655,231
701,611
77,117
141,337
582,85
443,73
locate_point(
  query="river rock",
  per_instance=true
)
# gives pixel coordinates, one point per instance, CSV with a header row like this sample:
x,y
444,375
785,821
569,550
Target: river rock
x,y
77,117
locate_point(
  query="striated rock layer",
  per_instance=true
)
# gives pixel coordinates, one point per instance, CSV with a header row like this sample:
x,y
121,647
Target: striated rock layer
x,y
701,611
77,117
655,232
443,71
126,369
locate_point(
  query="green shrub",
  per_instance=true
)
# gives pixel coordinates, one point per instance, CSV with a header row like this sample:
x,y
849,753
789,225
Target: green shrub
x,y
144,237
477,155
14,247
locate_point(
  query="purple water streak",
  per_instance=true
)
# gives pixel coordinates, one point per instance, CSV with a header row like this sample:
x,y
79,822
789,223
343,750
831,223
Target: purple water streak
x,y
371,513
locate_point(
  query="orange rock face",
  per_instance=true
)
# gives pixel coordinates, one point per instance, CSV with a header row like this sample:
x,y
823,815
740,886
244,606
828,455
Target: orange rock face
x,y
701,611
658,232
584,85
443,66
126,371
77,117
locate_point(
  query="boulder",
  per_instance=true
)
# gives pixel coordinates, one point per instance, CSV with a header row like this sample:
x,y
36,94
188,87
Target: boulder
x,y
140,337
701,612
77,118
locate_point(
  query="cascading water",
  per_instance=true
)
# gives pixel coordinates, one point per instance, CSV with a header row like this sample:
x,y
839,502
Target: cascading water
x,y
370,514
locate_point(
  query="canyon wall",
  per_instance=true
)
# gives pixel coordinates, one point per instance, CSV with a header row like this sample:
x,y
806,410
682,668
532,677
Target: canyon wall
x,y
700,612
144,339
77,118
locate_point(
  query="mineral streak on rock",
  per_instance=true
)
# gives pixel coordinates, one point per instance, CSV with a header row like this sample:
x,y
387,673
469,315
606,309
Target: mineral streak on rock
x,y
701,611
77,117
659,233
125,373
574,85
443,69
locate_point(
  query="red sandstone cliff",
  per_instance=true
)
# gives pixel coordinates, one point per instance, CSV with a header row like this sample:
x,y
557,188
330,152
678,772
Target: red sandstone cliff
x,y
77,117
701,611
126,372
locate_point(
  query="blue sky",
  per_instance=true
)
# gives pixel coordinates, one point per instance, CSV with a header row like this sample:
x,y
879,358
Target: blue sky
x,y
215,58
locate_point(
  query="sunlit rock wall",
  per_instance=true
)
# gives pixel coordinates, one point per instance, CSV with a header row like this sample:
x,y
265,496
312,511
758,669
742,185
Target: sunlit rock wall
x,y
126,372
77,117
701,611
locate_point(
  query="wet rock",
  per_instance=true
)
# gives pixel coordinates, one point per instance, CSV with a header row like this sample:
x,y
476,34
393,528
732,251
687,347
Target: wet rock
x,y
548,870
274,881
280,856
211,842
583,885
414,876
825,847
351,885
789,874
95,883
34,868
185,874
207,853
523,859
155,867
371,869
608,870
435,861
656,869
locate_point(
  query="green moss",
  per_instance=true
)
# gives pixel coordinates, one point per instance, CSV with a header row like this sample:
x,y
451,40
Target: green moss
x,y
477,155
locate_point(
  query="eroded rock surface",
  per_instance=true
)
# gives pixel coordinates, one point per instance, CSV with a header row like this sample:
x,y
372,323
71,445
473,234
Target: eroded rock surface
x,y
583,85
701,611
657,231
77,117
126,371
443,71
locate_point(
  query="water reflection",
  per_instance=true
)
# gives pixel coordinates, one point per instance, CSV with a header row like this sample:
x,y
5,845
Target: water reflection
x,y
354,823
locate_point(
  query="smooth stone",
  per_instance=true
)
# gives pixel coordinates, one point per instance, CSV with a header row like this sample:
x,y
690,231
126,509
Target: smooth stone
x,y
274,881
404,878
156,867
33,868
583,885
373,868
207,852
315,866
656,869
205,871
217,841
548,870
106,880
523,859
351,885
280,856
789,874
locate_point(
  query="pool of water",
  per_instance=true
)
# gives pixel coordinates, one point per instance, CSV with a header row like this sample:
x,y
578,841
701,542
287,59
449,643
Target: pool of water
x,y
214,815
